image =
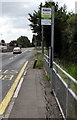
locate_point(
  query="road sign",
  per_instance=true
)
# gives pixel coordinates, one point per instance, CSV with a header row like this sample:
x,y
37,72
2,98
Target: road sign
x,y
45,22
46,16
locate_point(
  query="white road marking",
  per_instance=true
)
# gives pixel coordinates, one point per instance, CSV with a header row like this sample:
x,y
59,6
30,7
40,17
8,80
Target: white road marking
x,y
5,71
11,58
9,109
25,73
14,56
18,88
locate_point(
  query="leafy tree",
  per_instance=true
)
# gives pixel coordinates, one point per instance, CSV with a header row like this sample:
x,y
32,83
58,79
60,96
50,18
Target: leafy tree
x,y
75,40
36,24
70,39
61,18
23,41
60,24
65,31
3,42
33,40
13,43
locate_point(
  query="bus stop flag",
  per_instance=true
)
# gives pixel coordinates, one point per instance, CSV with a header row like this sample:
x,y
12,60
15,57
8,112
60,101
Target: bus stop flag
x,y
46,16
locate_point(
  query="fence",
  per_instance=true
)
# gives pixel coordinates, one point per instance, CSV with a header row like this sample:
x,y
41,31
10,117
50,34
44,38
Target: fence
x,y
46,64
65,89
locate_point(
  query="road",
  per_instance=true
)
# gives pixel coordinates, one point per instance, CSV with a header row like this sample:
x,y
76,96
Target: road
x,y
10,66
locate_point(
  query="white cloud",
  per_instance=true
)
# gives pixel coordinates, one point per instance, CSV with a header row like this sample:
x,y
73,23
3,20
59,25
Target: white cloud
x,y
14,17
69,3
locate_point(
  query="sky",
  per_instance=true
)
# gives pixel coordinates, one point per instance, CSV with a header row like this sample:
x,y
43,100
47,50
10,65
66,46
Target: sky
x,y
14,17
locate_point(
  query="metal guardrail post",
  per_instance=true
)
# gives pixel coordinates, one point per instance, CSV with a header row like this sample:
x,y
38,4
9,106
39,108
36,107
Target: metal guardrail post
x,y
51,66
67,104
67,98
56,69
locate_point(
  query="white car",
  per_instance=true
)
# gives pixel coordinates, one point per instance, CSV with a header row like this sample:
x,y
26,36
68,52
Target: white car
x,y
17,50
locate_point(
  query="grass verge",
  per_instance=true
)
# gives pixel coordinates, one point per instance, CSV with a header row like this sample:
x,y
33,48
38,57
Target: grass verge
x,y
47,77
70,69
40,60
40,64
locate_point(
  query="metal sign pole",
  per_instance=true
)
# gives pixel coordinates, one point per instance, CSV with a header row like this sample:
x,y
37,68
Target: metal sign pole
x,y
52,37
52,47
45,20
42,42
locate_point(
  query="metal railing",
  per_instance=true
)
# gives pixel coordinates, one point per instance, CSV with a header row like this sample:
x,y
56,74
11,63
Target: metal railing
x,y
65,89
46,64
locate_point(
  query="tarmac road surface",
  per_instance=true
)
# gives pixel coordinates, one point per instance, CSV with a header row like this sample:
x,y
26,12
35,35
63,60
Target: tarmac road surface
x,y
10,66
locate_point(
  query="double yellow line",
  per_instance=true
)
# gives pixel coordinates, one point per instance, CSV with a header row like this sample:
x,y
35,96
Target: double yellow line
x,y
10,93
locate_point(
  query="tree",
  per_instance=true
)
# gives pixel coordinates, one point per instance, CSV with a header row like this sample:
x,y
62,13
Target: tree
x,y
60,24
65,31
3,42
61,18
35,24
13,43
33,40
23,41
70,39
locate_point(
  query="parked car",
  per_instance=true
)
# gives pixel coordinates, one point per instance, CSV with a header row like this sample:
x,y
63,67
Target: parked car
x,y
17,50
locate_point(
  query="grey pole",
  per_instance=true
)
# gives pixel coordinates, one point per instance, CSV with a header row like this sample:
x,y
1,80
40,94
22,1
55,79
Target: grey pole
x,y
42,34
52,37
52,47
42,42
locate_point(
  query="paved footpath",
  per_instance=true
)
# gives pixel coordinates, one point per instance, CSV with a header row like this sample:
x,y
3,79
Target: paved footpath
x,y
35,99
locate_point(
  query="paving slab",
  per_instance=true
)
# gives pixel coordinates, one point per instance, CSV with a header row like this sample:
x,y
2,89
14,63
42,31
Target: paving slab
x,y
30,102
35,99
